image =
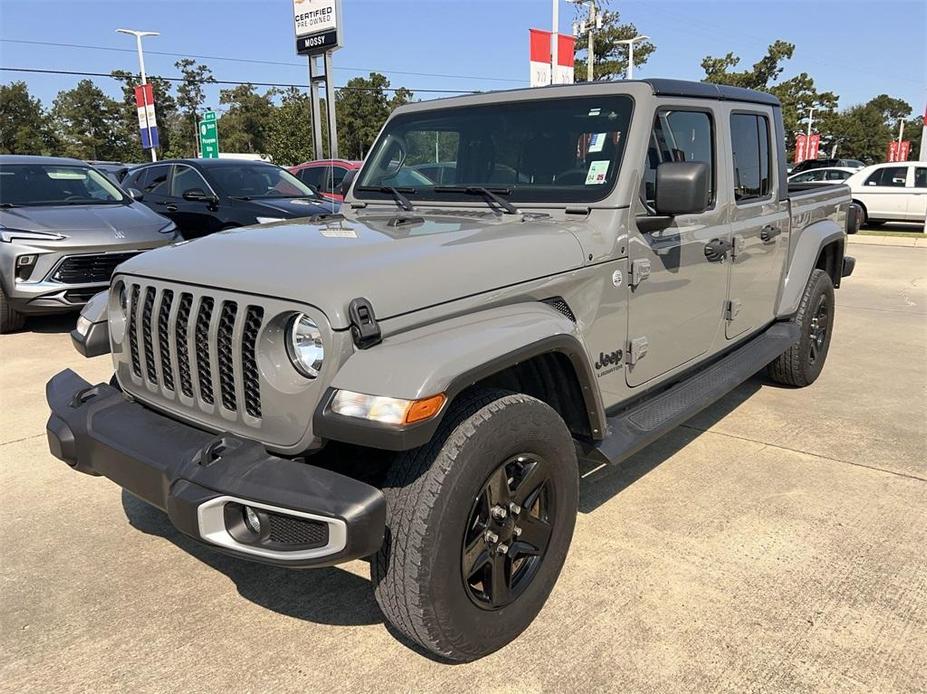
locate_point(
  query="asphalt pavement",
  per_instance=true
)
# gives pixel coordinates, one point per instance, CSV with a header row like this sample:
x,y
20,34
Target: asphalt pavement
x,y
776,542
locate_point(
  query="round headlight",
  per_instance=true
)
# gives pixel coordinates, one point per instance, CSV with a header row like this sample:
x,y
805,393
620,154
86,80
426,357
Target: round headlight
x,y
304,346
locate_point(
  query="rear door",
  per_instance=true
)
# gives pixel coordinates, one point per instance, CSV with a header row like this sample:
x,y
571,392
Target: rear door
x,y
677,293
759,223
917,200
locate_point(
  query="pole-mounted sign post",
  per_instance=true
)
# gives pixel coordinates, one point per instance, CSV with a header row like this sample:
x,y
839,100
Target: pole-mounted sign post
x,y
318,32
209,136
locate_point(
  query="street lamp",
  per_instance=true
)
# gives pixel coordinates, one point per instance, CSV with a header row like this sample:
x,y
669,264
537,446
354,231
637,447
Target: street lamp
x,y
630,42
141,61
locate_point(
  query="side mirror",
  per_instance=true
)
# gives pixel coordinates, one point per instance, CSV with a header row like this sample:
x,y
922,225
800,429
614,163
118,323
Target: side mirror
x,y
345,184
197,194
136,194
682,187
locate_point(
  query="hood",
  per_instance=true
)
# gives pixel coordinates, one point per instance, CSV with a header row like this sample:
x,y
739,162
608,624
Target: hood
x,y
89,225
419,262
294,207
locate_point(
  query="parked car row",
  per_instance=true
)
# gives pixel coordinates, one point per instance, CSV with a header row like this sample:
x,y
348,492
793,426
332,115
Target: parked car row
x,y
65,225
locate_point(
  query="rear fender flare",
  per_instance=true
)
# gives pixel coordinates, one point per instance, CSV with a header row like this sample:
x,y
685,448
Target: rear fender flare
x,y
811,240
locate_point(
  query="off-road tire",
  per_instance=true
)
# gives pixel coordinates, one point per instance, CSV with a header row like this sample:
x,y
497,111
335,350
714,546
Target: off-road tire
x,y
429,491
10,319
795,366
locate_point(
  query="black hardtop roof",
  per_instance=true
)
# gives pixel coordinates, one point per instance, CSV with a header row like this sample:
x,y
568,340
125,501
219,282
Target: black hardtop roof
x,y
707,90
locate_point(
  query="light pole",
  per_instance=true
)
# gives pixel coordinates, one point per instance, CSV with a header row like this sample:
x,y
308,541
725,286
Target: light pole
x,y
630,42
141,61
592,22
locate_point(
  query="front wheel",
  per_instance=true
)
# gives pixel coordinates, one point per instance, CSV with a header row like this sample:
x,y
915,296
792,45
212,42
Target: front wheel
x,y
479,523
801,364
11,320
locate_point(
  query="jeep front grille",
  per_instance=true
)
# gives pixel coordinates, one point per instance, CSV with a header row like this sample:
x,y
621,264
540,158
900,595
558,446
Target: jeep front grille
x,y
198,342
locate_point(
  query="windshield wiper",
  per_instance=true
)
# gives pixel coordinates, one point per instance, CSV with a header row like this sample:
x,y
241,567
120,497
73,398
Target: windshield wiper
x,y
401,200
490,195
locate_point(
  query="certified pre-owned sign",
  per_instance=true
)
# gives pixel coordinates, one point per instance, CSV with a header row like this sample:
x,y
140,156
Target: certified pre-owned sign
x,y
316,23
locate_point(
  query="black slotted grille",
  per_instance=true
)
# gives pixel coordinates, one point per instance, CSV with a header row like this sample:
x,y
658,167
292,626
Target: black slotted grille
x,y
164,338
183,352
226,363
146,335
253,319
201,341
133,330
83,269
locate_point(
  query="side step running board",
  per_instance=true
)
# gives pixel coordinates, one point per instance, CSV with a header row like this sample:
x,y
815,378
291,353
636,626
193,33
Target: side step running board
x,y
631,430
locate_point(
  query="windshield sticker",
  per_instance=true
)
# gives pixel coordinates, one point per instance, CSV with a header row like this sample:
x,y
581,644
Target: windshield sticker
x,y
597,142
597,171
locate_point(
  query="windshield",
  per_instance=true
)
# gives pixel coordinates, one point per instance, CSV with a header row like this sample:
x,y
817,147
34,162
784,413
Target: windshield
x,y
258,181
551,150
55,184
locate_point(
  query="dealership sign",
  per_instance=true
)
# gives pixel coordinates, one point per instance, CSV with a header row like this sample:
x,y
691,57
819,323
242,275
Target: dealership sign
x,y
539,52
806,147
147,125
317,25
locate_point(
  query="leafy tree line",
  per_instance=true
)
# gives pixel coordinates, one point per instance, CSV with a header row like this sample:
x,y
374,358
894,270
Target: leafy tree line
x,y
86,123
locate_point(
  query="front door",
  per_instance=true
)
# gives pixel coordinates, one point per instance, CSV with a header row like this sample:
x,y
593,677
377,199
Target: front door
x,y
194,217
677,289
759,226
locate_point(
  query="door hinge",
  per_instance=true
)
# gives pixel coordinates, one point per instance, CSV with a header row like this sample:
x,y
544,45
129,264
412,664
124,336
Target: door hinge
x,y
732,309
637,350
640,270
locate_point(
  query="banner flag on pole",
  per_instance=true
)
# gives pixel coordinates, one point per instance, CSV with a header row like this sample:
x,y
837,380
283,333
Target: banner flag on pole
x,y
147,125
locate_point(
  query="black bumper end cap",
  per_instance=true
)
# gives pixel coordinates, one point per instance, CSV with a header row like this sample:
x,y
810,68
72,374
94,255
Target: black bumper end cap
x,y
94,343
61,440
849,263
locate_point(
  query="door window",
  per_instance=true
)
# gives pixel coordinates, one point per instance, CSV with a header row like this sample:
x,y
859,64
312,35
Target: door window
x,y
679,136
750,145
920,177
186,178
835,175
311,176
892,176
156,181
136,179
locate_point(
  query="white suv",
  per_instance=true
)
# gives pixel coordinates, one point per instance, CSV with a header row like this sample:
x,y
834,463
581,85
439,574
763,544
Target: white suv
x,y
896,191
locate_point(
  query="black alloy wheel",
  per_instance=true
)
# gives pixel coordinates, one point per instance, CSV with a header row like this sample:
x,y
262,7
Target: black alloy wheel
x,y
508,531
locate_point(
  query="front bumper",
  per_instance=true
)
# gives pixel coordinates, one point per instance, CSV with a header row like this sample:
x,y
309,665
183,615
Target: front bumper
x,y
196,477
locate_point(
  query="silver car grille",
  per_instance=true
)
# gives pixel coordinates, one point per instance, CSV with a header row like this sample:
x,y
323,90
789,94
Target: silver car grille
x,y
206,347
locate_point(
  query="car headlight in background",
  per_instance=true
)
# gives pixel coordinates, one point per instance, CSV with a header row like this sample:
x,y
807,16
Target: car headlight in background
x,y
268,220
379,408
7,235
304,345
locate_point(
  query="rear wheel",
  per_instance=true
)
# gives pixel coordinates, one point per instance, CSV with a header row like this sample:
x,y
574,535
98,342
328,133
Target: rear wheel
x,y
801,364
10,319
479,524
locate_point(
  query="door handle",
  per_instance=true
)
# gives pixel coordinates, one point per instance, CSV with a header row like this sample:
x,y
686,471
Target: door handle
x,y
769,232
171,207
716,249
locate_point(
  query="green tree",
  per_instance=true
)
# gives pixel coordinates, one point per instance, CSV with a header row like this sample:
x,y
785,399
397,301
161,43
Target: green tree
x,y
25,127
165,110
610,57
362,107
289,137
245,126
864,131
90,124
796,94
191,95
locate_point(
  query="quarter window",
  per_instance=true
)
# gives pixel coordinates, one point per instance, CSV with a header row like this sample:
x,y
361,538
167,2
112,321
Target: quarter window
x,y
891,176
752,168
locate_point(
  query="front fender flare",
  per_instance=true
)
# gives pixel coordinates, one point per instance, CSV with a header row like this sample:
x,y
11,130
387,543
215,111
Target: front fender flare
x,y
447,357
811,240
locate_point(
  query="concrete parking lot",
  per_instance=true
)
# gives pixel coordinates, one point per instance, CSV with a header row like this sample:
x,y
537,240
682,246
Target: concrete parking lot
x,y
776,542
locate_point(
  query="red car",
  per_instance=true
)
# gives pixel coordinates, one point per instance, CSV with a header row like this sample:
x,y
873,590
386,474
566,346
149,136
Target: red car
x,y
326,175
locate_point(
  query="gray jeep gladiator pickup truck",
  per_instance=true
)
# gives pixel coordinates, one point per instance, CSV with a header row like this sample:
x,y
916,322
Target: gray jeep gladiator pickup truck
x,y
415,379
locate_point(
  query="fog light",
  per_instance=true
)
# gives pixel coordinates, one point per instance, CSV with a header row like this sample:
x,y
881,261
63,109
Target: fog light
x,y
24,260
24,266
83,326
252,520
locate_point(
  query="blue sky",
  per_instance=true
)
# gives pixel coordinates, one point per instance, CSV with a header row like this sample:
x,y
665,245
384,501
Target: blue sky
x,y
855,48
